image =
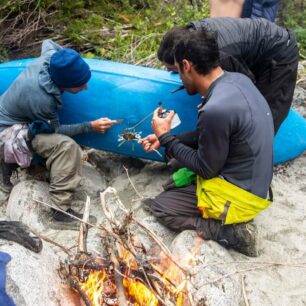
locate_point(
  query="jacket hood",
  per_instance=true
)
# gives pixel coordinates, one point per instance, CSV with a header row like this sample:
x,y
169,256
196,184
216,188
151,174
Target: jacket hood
x,y
46,83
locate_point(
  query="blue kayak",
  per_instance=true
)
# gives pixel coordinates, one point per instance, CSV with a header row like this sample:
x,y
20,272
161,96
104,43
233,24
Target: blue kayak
x,y
132,93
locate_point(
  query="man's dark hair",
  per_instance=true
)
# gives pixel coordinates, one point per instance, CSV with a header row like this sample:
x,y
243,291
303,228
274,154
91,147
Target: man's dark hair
x,y
166,49
199,47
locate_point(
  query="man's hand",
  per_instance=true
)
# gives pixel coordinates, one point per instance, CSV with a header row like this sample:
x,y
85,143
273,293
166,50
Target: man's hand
x,y
150,143
102,125
161,126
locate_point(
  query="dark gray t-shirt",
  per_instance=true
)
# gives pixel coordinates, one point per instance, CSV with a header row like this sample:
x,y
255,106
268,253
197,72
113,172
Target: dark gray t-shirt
x,y
234,136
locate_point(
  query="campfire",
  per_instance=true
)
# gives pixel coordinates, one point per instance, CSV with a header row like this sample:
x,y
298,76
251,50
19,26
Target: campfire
x,y
129,274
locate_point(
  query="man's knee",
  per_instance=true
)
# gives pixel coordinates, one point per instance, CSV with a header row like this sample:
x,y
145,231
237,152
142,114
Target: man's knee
x,y
170,219
69,146
53,144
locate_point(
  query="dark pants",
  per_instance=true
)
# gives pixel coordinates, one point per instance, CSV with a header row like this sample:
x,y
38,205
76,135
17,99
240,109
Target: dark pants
x,y
277,85
177,209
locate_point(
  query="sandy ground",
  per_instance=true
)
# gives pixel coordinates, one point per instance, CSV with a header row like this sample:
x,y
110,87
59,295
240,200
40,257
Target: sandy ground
x,y
277,277
282,237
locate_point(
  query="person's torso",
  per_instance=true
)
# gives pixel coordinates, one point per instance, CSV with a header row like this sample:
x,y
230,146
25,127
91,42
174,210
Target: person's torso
x,y
249,163
254,42
27,99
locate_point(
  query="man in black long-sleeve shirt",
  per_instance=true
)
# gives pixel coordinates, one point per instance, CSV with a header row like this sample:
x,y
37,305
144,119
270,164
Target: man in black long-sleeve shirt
x,y
233,140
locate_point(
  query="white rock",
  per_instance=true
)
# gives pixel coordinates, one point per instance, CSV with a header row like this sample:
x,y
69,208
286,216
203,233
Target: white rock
x,y
33,279
196,255
22,207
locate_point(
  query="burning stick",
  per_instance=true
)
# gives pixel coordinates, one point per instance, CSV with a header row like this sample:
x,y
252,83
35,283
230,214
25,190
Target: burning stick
x,y
82,245
118,278
74,284
88,264
112,220
151,289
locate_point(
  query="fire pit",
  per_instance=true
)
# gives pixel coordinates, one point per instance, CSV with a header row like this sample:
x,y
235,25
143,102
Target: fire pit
x,y
129,274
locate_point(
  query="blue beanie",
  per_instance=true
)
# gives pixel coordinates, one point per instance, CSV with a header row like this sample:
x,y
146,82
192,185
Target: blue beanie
x,y
67,69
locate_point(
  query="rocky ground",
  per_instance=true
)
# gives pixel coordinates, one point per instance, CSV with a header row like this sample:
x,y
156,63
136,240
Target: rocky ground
x,y
222,277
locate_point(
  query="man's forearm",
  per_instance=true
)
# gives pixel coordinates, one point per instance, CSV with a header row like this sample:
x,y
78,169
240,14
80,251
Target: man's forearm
x,y
74,129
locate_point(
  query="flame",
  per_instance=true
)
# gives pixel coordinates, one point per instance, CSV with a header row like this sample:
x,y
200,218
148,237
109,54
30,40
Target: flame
x,y
93,287
142,295
172,277
174,284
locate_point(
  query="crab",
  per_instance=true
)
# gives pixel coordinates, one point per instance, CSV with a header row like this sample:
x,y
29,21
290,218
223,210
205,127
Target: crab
x,y
129,135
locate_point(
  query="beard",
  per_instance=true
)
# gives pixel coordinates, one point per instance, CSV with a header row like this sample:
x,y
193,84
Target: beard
x,y
191,91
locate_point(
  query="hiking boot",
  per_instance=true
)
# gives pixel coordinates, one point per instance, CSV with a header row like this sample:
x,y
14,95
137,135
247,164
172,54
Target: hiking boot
x,y
20,233
5,177
63,221
242,237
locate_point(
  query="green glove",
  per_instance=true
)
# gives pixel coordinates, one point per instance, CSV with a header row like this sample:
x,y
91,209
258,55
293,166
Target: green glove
x,y
183,177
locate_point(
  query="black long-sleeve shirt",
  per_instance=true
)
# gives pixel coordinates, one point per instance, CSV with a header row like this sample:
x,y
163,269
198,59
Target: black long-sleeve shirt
x,y
234,136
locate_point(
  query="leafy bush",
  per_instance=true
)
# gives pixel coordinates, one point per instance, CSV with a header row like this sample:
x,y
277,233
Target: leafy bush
x,y
293,15
122,30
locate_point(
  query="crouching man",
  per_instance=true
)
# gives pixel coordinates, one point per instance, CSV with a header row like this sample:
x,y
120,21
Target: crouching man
x,y
230,155
33,100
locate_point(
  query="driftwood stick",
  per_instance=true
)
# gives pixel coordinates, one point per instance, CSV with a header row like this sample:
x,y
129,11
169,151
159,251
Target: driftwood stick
x,y
100,226
153,289
131,182
118,277
71,254
151,233
74,284
144,274
300,80
252,262
244,291
161,245
218,279
108,213
189,295
82,245
87,265
156,269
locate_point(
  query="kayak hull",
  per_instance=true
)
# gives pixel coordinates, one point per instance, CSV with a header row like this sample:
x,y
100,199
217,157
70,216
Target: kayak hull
x,y
132,93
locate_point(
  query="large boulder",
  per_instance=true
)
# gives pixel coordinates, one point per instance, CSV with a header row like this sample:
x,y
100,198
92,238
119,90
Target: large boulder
x,y
33,279
299,100
3,198
199,258
23,207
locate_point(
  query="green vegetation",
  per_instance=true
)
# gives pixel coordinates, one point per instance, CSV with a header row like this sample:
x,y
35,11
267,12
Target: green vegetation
x,y
121,30
131,33
292,14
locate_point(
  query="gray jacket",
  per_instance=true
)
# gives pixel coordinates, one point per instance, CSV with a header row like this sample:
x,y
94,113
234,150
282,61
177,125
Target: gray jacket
x,y
34,96
234,136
